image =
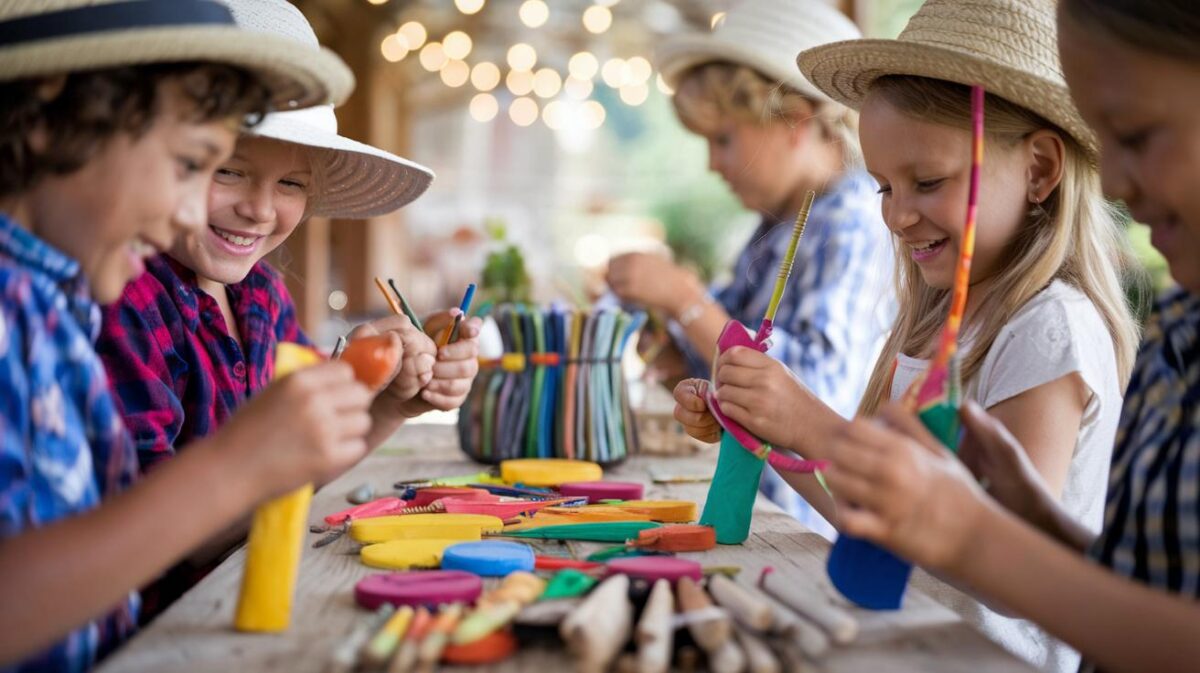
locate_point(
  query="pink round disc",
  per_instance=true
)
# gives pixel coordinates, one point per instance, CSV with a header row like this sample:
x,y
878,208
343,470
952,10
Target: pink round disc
x,y
595,491
430,588
652,568
426,496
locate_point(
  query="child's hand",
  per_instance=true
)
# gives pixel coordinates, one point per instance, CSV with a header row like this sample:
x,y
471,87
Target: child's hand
x,y
691,410
1002,466
905,490
416,367
308,426
455,368
762,395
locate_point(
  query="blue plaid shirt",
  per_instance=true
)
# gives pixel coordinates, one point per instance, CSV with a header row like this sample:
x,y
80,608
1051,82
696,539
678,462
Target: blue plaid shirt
x,y
838,306
63,447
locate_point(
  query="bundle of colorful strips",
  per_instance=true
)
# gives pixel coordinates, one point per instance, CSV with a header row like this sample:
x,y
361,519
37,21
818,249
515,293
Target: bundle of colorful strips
x,y
557,392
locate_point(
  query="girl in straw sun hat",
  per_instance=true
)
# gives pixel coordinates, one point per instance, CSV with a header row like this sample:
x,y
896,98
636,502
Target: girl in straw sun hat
x,y
191,340
114,117
773,137
1126,598
1048,339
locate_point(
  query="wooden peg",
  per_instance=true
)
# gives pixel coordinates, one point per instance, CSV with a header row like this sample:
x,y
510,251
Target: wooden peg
x,y
759,657
791,627
710,634
654,632
744,606
599,628
810,602
728,658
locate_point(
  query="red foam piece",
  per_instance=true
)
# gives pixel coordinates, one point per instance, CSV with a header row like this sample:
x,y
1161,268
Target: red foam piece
x,y
595,491
429,588
489,649
427,496
653,568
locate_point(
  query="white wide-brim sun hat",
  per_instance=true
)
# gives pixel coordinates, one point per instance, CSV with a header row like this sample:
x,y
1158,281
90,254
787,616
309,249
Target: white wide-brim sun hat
x,y
357,180
268,37
765,35
1009,47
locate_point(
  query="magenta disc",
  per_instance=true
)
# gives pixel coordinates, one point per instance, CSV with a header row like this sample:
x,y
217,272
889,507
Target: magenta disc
x,y
419,587
595,491
652,568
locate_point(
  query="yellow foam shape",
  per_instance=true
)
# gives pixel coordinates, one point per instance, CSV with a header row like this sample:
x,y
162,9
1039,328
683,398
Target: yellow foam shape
x,y
666,511
409,526
549,471
405,554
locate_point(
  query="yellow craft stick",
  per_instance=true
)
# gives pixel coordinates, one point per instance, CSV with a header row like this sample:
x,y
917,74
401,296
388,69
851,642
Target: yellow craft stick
x,y
785,268
276,537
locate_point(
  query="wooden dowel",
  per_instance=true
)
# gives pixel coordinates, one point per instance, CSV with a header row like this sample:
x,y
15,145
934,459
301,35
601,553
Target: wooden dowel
x,y
744,606
810,602
600,627
654,632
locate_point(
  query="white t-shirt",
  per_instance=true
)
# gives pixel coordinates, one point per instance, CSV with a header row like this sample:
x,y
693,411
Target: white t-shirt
x,y
1059,331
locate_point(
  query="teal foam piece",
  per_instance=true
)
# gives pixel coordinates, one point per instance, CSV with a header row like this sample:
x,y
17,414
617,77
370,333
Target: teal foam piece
x,y
730,502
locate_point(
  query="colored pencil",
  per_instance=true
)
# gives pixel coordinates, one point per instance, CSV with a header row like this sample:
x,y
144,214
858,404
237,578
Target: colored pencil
x,y
452,335
405,306
387,296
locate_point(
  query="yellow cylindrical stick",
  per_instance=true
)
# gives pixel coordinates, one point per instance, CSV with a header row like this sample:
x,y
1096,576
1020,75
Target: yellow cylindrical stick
x,y
276,537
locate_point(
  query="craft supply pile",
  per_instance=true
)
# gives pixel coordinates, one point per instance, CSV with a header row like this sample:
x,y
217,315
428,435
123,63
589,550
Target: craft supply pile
x,y
547,553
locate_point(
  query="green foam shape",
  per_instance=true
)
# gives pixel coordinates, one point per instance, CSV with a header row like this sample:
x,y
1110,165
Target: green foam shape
x,y
603,531
730,502
942,421
568,583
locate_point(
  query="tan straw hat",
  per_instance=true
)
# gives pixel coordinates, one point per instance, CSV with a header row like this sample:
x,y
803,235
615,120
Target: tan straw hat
x,y
48,37
762,34
358,180
1007,46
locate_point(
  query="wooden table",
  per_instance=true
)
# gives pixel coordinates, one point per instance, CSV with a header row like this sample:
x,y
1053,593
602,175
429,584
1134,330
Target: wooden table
x,y
195,634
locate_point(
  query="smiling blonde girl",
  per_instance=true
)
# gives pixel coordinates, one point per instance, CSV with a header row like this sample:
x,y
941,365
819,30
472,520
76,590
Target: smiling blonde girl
x,y
1048,339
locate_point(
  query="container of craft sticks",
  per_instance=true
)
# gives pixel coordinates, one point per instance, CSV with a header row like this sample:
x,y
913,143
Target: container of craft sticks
x,y
558,391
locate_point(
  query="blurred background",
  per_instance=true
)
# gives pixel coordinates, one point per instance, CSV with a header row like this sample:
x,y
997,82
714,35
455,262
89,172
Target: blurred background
x,y
553,140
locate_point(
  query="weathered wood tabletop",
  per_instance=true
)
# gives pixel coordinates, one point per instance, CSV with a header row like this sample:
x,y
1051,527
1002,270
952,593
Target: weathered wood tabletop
x,y
196,634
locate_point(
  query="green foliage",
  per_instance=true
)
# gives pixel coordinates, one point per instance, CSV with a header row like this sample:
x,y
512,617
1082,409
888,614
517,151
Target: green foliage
x,y
504,278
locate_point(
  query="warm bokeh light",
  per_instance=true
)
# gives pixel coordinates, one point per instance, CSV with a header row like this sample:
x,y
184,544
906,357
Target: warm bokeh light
x,y
717,19
547,83
484,107
615,72
534,13
597,19
522,56
455,73
579,89
593,114
485,76
433,57
414,33
338,300
554,114
639,70
523,111
469,6
634,93
457,45
519,82
583,65
394,47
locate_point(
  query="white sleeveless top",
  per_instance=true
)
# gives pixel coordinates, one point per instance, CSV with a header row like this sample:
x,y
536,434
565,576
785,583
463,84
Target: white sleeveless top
x,y
1058,332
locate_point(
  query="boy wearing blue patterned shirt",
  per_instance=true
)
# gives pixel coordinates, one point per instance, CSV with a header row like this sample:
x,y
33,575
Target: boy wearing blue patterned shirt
x,y
103,162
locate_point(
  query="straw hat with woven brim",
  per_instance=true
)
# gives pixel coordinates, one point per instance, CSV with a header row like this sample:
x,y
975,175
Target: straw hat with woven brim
x,y
1007,46
762,34
357,180
268,37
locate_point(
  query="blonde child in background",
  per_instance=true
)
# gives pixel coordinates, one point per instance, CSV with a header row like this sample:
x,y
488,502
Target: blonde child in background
x,y
1126,598
1048,341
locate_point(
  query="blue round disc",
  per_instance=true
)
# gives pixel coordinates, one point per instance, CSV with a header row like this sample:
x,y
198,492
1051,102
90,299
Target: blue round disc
x,y
488,559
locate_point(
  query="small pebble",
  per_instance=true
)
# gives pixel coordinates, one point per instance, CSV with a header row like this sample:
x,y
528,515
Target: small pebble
x,y
361,495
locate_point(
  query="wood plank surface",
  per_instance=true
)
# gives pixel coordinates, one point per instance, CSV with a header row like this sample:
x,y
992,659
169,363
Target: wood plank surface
x,y
196,634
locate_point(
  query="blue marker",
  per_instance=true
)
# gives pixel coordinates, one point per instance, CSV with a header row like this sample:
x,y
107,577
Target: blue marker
x,y
462,312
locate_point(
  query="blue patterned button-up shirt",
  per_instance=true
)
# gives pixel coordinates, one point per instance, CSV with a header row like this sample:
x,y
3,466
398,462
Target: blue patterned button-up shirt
x,y
1152,518
839,303
63,447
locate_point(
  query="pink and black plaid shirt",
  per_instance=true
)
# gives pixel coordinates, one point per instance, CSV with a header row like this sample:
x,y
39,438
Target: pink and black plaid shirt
x,y
177,374
176,371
